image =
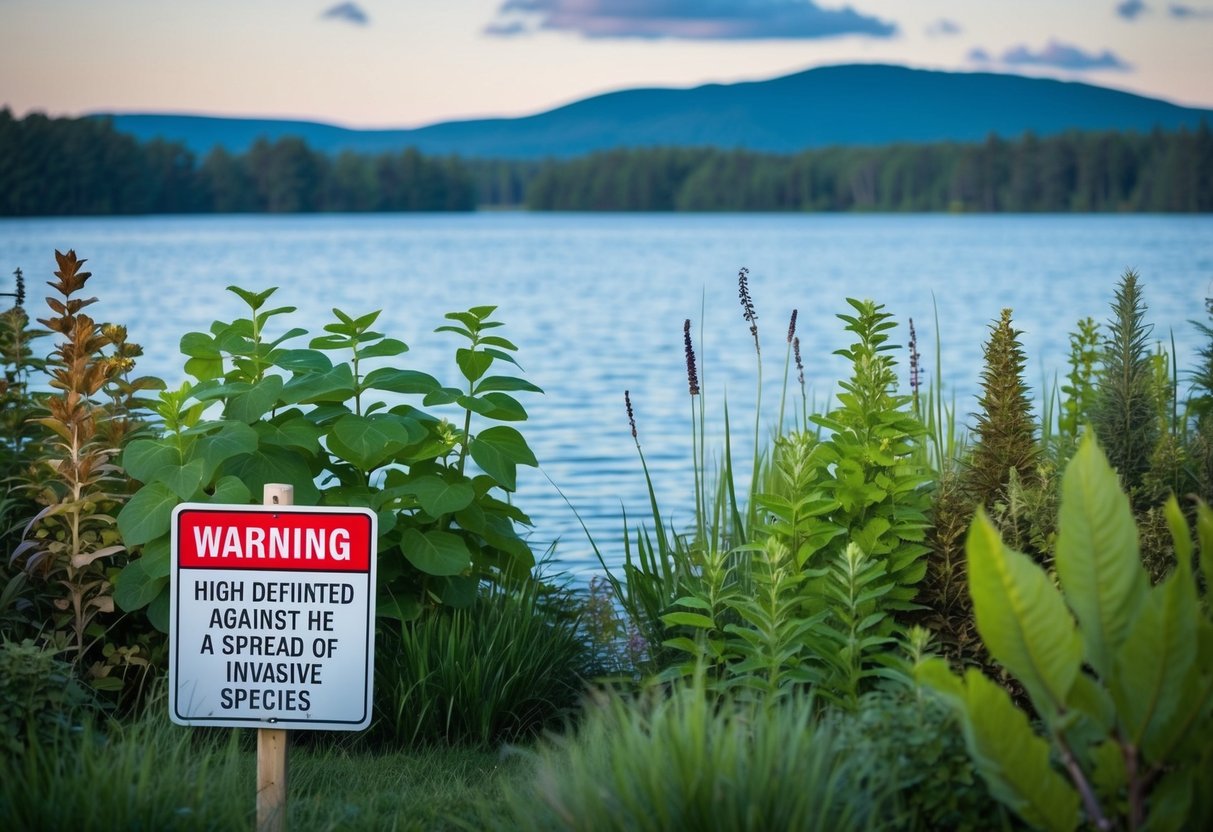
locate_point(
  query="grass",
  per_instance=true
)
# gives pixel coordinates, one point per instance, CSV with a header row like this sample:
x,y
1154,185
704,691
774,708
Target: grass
x,y
153,775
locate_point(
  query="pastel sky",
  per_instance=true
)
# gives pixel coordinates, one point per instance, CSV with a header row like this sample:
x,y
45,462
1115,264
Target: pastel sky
x,y
403,63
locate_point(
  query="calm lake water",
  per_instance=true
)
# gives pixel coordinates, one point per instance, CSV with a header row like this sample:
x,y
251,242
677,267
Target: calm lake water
x,y
596,303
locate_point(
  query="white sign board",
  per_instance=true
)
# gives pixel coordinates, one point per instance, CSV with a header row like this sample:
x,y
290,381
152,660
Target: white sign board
x,y
272,616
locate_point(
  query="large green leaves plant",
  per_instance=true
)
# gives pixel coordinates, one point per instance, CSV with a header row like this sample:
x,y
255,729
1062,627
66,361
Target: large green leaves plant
x,y
340,421
1119,672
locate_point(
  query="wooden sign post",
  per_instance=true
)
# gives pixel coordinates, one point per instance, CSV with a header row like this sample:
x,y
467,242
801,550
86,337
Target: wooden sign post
x,y
272,625
272,743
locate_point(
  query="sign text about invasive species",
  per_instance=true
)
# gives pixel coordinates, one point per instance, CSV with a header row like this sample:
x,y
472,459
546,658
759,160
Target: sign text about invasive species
x,y
272,616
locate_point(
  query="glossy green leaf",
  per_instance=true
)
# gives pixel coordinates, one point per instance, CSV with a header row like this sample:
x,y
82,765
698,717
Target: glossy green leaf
x,y
185,480
143,459
274,464
1022,618
499,450
1204,533
369,441
231,440
135,588
438,497
472,363
335,385
1098,560
297,432
506,384
199,345
689,619
155,557
230,490
147,515
387,348
1013,760
1156,658
261,398
303,361
393,380
435,552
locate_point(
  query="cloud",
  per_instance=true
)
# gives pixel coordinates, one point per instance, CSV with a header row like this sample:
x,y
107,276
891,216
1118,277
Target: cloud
x,y
1190,12
943,26
687,19
1130,9
1055,55
347,12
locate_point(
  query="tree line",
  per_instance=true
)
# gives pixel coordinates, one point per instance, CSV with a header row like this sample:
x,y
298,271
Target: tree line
x,y
63,166
1167,172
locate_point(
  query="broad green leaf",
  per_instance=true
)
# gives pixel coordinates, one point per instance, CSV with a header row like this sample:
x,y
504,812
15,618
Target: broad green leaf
x,y
438,497
297,432
368,441
274,464
148,514
204,369
498,406
303,361
387,348
135,588
400,381
143,459
255,300
1098,560
689,619
1204,533
155,557
1181,535
232,440
158,611
1022,618
251,406
184,480
397,608
199,345
435,552
1013,760
230,491
498,450
507,384
1171,800
472,363
1155,659
335,385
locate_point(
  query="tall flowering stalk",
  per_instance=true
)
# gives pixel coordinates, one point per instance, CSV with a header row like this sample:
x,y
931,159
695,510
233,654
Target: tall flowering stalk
x,y
804,398
751,317
696,435
915,368
787,366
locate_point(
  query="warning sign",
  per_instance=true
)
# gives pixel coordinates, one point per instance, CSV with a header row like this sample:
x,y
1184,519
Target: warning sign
x,y
272,617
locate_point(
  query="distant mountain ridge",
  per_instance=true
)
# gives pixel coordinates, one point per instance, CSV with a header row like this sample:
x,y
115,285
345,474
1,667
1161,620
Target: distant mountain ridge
x,y
856,104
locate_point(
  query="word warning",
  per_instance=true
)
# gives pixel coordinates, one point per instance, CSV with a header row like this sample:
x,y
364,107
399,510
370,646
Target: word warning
x,y
272,617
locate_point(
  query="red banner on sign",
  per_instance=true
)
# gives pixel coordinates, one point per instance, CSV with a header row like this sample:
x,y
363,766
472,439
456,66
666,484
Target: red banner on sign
x,y
273,539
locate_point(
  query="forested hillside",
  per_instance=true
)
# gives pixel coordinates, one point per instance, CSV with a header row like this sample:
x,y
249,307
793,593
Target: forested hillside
x,y
84,166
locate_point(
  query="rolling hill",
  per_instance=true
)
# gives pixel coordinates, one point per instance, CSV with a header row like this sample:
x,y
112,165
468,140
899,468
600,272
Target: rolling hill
x,y
838,105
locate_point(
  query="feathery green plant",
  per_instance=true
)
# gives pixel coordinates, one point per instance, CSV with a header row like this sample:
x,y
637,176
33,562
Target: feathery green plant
x,y
1005,432
1119,672
1124,418
1078,393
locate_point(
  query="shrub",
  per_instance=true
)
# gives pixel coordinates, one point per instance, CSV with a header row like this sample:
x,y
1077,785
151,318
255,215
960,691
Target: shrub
x,y
1118,671
500,670
688,760
40,697
260,411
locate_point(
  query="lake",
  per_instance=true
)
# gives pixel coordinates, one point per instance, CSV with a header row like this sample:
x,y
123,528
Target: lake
x,y
596,304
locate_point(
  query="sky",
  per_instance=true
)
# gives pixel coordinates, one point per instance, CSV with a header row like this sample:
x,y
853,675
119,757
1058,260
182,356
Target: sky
x,y
407,63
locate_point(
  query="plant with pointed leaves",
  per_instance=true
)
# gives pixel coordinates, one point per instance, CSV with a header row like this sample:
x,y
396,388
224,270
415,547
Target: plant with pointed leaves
x,y
73,542
1119,672
261,411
